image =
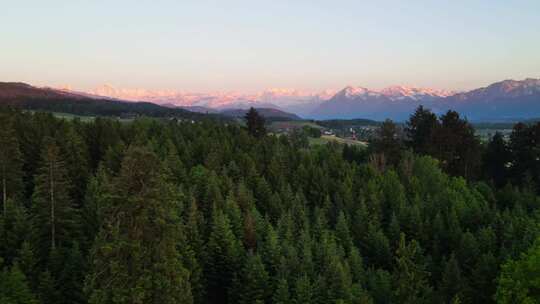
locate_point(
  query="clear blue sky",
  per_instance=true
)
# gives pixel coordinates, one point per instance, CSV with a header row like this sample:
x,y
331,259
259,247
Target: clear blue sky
x,y
251,45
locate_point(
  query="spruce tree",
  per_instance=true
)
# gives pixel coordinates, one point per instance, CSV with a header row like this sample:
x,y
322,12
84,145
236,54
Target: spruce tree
x,y
223,252
14,287
253,282
255,123
281,294
10,164
134,257
496,160
47,289
54,216
419,130
410,275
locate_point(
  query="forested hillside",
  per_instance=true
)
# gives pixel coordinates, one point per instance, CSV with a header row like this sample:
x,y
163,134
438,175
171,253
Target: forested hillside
x,y
26,97
163,211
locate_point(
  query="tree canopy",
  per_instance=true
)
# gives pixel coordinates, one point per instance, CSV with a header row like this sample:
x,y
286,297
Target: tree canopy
x,y
169,211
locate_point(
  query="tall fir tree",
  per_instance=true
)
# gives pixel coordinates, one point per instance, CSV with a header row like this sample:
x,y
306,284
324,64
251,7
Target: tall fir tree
x,y
14,288
223,253
252,283
10,163
134,258
255,123
419,130
496,160
54,218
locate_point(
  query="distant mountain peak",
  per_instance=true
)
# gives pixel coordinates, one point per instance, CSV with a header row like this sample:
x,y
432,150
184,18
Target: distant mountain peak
x,y
355,91
397,92
509,85
414,92
507,99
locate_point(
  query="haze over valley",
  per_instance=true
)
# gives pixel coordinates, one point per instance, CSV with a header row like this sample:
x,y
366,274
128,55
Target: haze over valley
x,y
507,100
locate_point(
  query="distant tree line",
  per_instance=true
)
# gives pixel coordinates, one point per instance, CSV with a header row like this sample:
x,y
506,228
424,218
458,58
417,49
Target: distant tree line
x,y
168,211
452,140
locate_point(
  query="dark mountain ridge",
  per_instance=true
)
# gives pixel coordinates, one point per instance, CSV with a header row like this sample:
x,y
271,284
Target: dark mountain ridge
x,y
269,113
28,97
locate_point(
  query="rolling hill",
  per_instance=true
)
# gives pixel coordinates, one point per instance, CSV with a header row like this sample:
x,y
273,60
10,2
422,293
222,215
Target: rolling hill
x,y
28,97
268,113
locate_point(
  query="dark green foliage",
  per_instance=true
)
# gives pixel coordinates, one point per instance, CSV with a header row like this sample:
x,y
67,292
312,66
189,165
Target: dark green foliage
x,y
222,259
420,129
388,142
519,281
165,211
411,277
525,149
497,160
55,219
450,139
10,163
14,287
252,282
47,289
134,257
255,123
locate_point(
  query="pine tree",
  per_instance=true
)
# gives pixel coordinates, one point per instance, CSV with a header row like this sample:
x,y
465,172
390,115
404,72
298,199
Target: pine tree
x,y
419,130
47,292
342,232
26,259
134,258
303,291
10,164
457,147
91,214
388,142
496,160
483,278
452,281
338,282
54,216
255,123
356,265
380,286
74,154
14,229
71,278
253,282
14,288
223,251
410,274
282,295
519,281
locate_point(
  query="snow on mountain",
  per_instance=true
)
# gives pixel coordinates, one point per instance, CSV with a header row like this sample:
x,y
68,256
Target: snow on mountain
x,y
395,102
401,92
508,99
393,93
506,88
274,98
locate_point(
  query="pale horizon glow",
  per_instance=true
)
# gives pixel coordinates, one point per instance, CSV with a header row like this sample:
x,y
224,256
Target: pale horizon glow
x,y
250,46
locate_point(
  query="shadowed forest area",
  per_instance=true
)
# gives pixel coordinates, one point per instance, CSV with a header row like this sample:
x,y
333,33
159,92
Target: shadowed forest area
x,y
168,211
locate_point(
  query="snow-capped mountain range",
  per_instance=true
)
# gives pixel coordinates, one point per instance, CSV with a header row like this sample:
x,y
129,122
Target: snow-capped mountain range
x,y
296,101
496,101
215,100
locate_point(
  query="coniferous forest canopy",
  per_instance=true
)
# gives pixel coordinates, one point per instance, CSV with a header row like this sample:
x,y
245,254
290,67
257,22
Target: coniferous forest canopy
x,y
168,211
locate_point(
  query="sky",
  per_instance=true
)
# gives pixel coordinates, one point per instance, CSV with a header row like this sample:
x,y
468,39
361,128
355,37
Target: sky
x,y
252,45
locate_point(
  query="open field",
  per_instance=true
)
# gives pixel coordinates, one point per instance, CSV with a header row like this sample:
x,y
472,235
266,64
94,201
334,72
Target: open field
x,y
293,124
324,139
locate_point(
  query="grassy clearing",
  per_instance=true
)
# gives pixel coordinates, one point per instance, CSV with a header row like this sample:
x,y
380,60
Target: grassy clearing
x,y
324,139
294,124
